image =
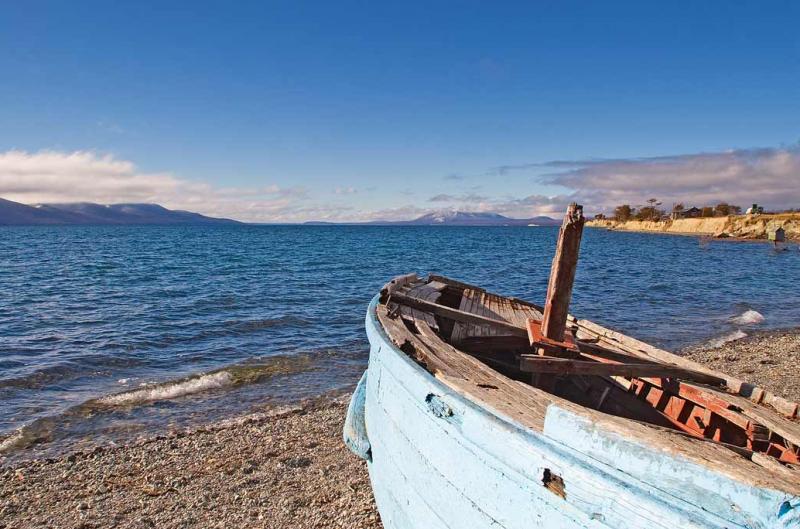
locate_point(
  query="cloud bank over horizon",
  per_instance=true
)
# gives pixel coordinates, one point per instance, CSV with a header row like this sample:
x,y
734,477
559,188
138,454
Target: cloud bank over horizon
x,y
85,176
769,176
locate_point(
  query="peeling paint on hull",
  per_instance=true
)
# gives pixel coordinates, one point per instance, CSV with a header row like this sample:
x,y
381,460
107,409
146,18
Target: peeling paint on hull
x,y
441,461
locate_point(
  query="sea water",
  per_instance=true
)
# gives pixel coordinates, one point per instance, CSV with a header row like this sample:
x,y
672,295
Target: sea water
x,y
108,333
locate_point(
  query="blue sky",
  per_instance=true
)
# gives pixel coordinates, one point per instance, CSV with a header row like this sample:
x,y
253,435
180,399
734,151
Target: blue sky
x,y
283,111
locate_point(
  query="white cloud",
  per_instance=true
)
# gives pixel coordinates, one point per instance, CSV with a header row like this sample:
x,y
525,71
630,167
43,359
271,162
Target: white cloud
x,y
767,176
83,176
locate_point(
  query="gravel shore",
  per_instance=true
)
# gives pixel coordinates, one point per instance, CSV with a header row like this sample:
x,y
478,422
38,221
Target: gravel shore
x,y
280,470
283,469
768,359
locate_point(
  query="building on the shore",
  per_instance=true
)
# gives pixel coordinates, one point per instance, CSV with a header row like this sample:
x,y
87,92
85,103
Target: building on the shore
x,y
690,213
755,209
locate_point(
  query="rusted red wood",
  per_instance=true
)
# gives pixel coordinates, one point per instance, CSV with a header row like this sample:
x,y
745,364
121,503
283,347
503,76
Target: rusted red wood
x,y
705,415
562,274
564,348
787,456
706,399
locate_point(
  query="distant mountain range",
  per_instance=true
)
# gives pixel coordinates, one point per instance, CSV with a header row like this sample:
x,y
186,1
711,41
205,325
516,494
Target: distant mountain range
x,y
462,218
14,213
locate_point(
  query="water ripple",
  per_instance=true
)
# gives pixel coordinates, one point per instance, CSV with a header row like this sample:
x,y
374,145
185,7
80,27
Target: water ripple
x,y
82,308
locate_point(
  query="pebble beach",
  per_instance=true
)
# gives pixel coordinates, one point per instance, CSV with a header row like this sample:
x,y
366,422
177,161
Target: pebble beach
x,y
284,468
768,359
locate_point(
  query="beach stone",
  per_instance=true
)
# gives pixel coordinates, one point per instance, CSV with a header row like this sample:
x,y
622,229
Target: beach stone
x,y
296,462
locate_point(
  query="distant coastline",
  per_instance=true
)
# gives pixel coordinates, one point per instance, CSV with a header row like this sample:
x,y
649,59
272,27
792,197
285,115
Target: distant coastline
x,y
751,227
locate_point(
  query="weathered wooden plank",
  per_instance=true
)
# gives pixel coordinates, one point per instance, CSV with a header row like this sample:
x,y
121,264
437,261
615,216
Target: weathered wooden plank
x,y
396,283
645,350
453,283
564,366
503,309
401,336
437,285
493,344
456,314
426,293
516,399
487,305
789,430
460,329
591,350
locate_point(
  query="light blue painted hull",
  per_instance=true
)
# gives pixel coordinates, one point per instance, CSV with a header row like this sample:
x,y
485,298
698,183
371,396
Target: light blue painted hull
x,y
440,461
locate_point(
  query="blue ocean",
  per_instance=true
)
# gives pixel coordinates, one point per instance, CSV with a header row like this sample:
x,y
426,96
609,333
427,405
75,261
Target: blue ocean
x,y
110,333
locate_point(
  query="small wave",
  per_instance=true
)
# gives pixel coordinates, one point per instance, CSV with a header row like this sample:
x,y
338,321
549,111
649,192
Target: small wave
x,y
11,442
738,334
266,323
748,317
170,391
60,426
227,377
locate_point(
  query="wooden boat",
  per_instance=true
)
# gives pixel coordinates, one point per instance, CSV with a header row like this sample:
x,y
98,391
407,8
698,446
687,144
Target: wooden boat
x,y
474,413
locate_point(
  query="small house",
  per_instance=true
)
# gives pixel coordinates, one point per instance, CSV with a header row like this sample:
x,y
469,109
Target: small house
x,y
690,213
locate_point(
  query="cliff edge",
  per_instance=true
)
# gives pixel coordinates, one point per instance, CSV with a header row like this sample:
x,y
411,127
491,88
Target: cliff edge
x,y
740,226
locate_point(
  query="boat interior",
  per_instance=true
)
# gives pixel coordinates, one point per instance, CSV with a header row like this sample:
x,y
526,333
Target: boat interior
x,y
493,348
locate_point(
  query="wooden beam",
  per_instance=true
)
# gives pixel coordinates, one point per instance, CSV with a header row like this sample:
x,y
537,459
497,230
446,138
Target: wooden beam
x,y
454,283
455,314
494,344
563,366
397,283
562,274
597,352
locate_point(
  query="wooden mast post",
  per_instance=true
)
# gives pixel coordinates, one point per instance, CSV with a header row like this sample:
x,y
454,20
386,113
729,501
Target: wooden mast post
x,y
548,336
562,274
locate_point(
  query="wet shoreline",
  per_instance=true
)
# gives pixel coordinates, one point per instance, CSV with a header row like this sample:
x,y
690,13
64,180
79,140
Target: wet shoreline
x,y
282,468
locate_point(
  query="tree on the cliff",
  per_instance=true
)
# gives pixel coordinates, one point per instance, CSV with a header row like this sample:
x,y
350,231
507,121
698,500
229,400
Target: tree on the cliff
x,y
623,213
650,212
723,209
707,211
